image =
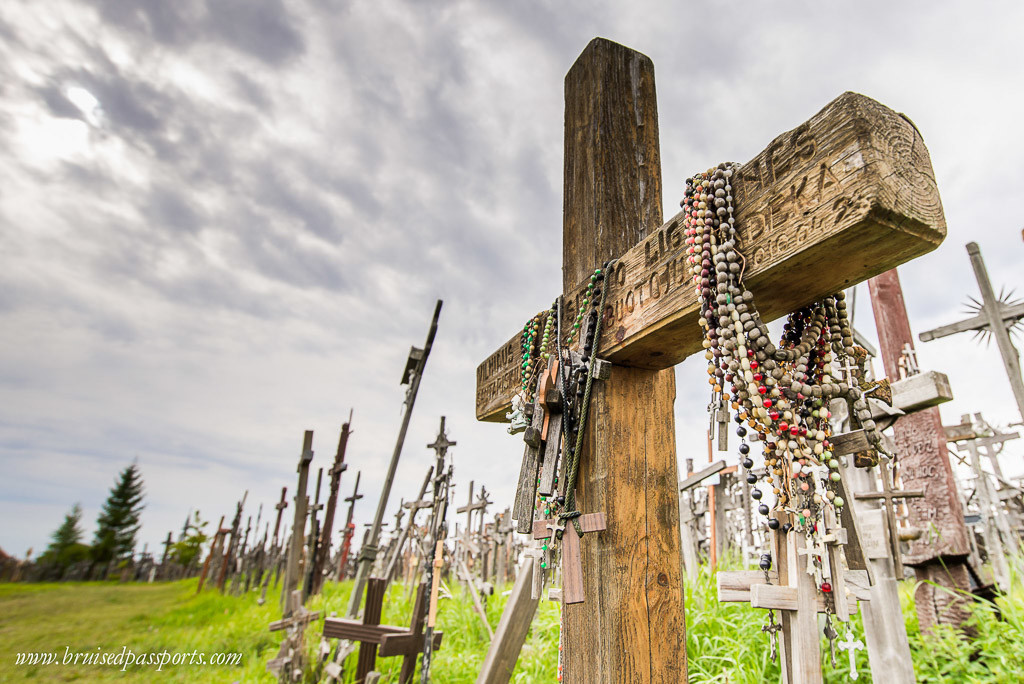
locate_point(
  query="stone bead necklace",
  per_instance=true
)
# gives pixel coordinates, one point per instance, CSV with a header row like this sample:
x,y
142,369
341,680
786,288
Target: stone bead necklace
x,y
780,392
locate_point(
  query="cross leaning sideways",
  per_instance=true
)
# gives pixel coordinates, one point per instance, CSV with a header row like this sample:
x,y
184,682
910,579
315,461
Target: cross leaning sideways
x,y
844,196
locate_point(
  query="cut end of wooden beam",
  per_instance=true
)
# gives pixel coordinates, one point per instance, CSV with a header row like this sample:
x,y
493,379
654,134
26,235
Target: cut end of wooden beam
x,y
851,189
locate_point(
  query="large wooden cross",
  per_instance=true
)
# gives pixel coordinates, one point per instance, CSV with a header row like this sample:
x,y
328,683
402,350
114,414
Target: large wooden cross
x,y
846,195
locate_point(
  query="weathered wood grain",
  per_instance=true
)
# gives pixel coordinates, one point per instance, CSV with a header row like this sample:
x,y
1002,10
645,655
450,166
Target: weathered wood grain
x,y
849,442
844,196
920,442
734,586
631,627
512,629
526,491
801,654
546,487
701,475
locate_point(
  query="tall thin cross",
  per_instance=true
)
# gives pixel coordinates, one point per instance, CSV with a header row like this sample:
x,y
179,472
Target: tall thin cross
x,y
324,543
993,445
939,559
292,567
280,506
411,376
797,202
167,547
468,508
346,543
995,316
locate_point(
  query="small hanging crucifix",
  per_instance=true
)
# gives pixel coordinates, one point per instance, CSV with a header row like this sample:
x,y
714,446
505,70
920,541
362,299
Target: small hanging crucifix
x,y
851,646
772,629
572,564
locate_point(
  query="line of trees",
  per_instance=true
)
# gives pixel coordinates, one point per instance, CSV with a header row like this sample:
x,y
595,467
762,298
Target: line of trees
x,y
116,527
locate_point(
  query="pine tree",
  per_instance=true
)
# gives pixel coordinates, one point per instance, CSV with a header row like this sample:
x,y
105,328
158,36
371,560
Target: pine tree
x,y
67,547
118,522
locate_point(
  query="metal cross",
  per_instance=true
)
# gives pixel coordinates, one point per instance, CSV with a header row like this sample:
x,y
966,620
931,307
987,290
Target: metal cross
x,y
772,629
852,647
808,550
848,369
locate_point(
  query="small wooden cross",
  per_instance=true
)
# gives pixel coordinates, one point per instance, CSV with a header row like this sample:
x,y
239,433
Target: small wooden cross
x,y
792,591
849,369
300,616
852,647
526,490
887,496
370,634
292,652
572,564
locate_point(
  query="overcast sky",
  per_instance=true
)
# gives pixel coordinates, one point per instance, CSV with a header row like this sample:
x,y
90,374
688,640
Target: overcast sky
x,y
223,222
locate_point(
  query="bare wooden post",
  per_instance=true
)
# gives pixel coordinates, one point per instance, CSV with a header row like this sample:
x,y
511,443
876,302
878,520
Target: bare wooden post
x,y
631,628
214,549
413,374
292,568
512,629
937,557
324,546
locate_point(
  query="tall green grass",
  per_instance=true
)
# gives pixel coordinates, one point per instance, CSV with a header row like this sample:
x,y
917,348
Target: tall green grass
x,y
724,641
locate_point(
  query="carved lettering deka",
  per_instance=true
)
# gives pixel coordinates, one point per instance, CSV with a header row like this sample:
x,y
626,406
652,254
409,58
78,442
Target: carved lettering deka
x,y
843,197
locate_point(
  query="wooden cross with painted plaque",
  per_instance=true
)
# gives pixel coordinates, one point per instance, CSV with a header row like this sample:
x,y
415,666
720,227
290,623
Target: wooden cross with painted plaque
x,y
844,196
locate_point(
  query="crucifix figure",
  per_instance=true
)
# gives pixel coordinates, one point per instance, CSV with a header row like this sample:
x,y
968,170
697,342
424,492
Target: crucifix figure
x,y
798,202
852,647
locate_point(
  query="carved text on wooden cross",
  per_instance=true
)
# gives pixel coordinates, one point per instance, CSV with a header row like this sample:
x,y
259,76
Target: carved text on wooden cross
x,y
852,189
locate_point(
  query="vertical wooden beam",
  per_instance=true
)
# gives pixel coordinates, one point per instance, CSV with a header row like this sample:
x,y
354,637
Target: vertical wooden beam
x,y
631,626
512,629
921,449
884,628
293,568
992,309
800,643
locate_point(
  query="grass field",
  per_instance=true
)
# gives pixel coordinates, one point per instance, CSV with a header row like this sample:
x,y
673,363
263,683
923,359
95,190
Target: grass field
x,y
724,641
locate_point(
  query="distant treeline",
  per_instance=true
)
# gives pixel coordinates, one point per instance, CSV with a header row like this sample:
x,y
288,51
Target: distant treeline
x,y
112,552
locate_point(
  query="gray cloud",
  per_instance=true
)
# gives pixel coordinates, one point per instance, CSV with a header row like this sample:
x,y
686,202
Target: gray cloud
x,y
253,237
262,30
